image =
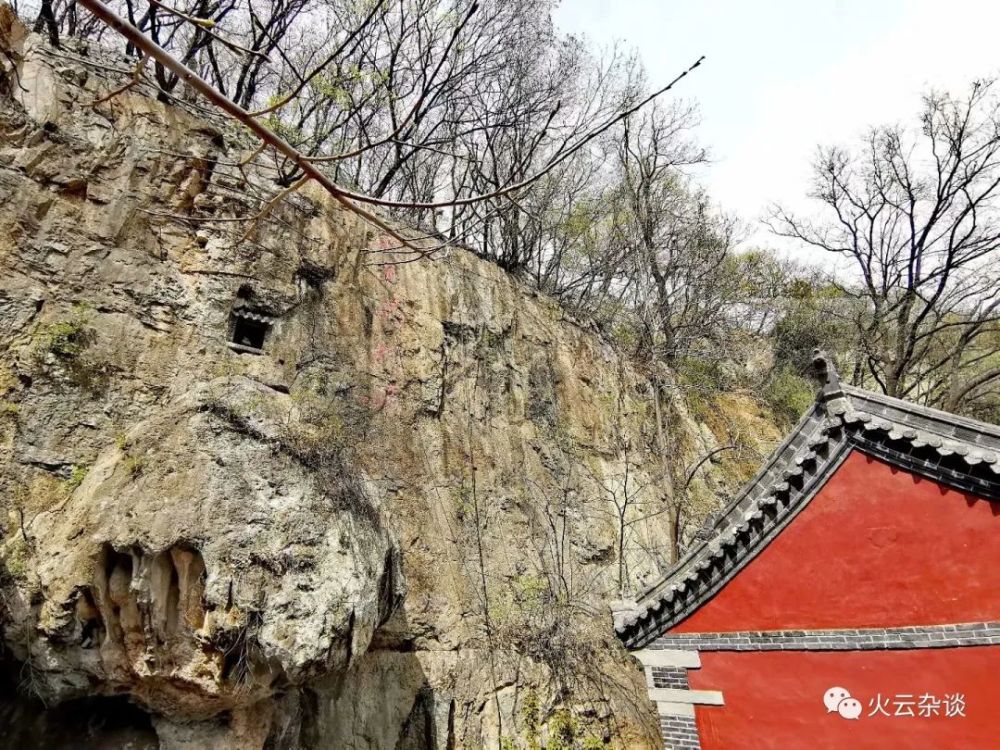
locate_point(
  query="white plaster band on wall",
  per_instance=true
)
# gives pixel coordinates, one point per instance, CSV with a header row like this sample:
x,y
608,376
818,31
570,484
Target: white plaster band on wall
x,y
677,695
668,657
668,708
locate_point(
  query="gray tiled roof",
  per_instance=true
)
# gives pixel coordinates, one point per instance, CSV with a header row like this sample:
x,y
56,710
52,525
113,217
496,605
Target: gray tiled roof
x,y
956,451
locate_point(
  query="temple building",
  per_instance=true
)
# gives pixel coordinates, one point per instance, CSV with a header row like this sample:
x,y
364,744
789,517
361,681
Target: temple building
x,y
848,597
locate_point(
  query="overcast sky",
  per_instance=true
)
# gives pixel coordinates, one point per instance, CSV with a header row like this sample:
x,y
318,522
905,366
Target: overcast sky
x,y
782,76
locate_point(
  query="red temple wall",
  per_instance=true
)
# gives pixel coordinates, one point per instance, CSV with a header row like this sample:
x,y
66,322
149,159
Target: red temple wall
x,y
774,699
876,547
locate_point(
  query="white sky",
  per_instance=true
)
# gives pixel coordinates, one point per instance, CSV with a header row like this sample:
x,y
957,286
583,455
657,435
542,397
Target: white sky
x,y
782,76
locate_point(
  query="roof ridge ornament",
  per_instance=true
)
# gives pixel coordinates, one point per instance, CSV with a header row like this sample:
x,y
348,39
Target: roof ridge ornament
x,y
825,372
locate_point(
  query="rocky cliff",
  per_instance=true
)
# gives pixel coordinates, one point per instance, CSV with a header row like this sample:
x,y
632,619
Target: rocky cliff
x,y
262,488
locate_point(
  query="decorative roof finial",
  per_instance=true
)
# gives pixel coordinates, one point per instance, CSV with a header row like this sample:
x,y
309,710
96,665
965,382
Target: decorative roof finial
x,y
826,373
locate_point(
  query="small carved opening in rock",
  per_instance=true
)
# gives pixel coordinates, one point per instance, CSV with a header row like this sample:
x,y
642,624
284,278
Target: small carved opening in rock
x,y
248,324
249,331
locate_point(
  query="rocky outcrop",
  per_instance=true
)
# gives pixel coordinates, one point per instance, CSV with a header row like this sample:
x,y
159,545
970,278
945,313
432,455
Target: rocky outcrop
x,y
203,566
278,491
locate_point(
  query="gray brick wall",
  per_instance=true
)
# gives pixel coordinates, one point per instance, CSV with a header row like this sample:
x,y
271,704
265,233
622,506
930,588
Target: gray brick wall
x,y
929,636
670,677
679,733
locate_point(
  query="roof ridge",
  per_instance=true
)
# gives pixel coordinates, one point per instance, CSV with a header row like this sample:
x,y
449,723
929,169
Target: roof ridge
x,y
929,412
741,495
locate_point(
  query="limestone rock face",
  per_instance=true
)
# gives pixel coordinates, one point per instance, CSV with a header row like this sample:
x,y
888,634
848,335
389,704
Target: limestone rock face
x,y
275,492
202,565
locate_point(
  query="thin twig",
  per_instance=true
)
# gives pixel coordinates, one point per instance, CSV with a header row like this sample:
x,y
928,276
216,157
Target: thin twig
x,y
590,136
205,25
270,206
136,78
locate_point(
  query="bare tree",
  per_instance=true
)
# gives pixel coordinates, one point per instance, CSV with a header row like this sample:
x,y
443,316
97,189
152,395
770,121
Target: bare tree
x,y
687,292
452,112
916,212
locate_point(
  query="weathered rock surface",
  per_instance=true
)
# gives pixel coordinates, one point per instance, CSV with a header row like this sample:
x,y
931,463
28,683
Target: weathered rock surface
x,y
226,569
393,523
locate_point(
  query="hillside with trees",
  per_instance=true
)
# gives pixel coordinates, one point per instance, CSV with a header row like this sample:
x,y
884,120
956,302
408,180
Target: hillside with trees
x,y
440,291
566,166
